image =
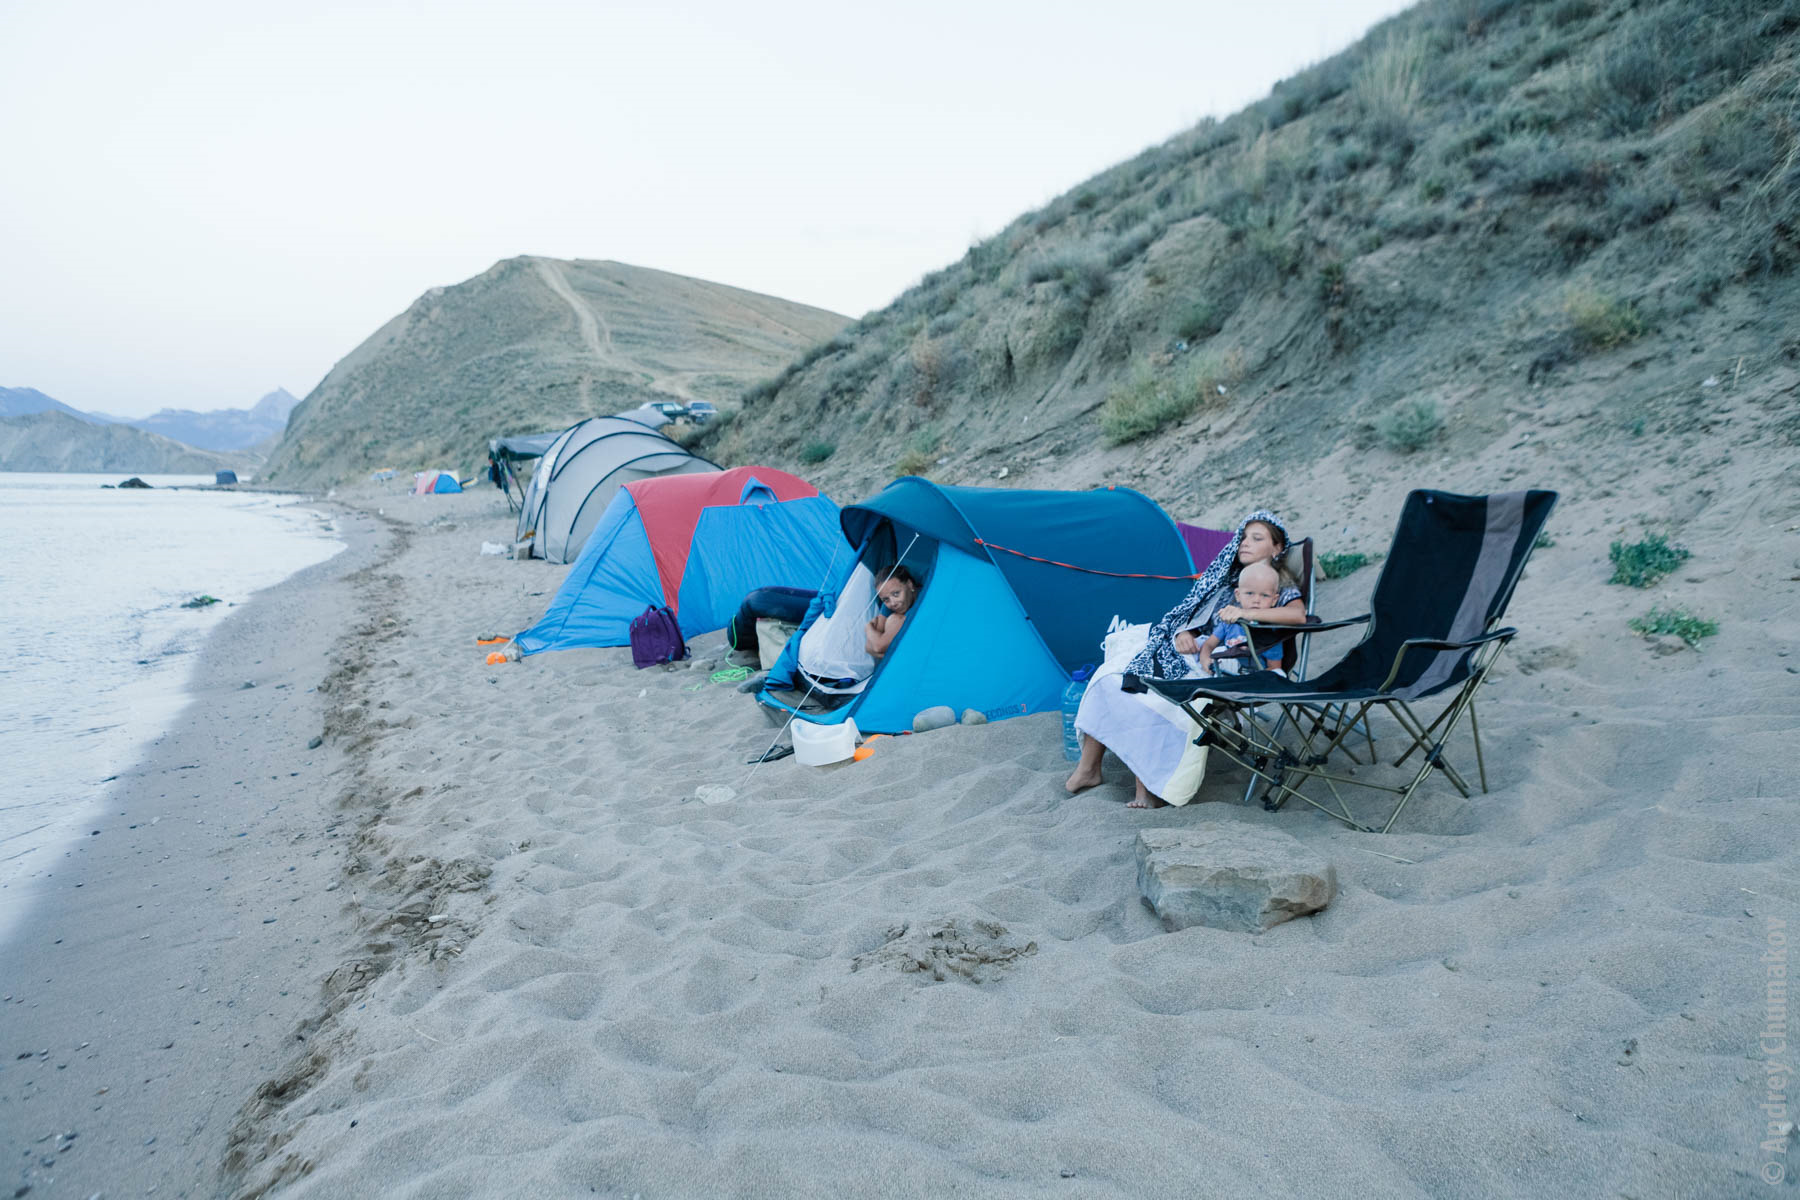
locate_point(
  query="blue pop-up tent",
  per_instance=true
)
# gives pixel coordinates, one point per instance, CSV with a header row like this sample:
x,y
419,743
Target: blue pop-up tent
x,y
696,543
1019,587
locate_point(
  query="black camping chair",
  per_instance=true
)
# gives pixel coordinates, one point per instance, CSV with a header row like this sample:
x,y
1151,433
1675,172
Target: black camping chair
x,y
1432,635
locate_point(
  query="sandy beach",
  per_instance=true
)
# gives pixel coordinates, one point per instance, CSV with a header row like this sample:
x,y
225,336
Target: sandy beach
x,y
486,940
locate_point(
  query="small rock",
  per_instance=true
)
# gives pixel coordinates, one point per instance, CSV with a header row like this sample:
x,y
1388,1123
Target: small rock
x,y
268,920
247,685
941,716
315,743
714,793
1230,877
972,716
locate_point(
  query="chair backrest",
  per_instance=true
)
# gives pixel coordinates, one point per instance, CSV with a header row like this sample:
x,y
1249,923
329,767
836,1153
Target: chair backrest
x,y
1298,562
1449,574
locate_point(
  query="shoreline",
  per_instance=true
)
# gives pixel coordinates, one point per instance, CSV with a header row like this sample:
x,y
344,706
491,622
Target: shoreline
x,y
159,971
130,690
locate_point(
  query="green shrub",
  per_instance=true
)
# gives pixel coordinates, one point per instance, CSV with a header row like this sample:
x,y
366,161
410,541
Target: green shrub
x,y
1082,271
1144,405
1151,401
1684,625
1641,564
1601,321
699,436
1389,84
1543,540
1570,12
817,452
1202,319
1543,167
914,462
925,440
1410,427
1336,566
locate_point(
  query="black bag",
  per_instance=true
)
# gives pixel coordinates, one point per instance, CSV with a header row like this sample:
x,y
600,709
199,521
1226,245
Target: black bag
x,y
656,638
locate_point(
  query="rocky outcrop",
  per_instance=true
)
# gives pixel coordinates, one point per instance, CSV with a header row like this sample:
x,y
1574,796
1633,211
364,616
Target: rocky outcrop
x,y
1230,877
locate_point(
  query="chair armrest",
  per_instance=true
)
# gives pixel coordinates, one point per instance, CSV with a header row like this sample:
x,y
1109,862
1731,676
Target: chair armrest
x,y
1312,625
1435,645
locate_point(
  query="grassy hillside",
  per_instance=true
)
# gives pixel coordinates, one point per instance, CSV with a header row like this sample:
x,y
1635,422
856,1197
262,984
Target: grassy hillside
x,y
1490,221
533,344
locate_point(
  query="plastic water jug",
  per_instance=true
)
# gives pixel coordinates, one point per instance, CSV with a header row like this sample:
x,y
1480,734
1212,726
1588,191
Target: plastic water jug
x,y
1071,700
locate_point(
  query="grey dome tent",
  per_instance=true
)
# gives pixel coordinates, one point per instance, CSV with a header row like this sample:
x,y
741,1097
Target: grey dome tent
x,y
578,475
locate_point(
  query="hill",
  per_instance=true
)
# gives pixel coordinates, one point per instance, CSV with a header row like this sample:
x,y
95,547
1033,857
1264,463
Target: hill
x,y
1549,243
57,441
22,402
225,428
530,344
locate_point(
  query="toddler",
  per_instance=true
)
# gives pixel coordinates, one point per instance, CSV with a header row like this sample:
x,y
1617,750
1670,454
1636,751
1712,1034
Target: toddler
x,y
1258,588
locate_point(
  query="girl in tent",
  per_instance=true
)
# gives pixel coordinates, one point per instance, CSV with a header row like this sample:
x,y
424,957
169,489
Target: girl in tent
x,y
1151,735
897,593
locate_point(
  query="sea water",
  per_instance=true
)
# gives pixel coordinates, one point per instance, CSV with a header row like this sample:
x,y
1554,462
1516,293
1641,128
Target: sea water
x,y
94,583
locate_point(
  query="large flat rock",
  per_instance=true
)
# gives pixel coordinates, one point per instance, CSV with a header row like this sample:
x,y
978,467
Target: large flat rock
x,y
1230,877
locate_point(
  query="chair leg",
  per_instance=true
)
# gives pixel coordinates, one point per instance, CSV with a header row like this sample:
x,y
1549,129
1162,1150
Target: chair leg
x,y
1465,700
1480,763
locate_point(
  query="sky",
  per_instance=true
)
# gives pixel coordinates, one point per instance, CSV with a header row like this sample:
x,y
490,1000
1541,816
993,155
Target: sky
x,y
205,201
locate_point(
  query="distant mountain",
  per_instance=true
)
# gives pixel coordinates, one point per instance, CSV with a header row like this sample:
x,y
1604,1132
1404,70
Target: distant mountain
x,y
58,441
20,402
225,428
220,429
532,344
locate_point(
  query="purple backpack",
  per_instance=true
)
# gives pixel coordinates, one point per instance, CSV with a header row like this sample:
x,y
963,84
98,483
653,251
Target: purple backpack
x,y
656,638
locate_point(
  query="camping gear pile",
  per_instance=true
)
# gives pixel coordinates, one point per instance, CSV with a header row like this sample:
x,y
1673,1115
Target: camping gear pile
x,y
1016,589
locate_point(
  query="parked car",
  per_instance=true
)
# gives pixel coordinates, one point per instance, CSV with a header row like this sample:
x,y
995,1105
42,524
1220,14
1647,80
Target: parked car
x,y
669,409
701,411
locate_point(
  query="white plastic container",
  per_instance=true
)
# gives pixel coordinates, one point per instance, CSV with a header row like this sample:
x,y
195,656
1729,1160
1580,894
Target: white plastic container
x,y
822,745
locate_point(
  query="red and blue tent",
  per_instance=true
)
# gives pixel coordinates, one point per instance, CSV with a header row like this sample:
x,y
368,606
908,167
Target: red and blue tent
x,y
696,543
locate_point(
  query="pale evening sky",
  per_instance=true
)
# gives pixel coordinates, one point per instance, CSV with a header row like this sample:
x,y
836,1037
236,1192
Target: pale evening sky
x,y
205,201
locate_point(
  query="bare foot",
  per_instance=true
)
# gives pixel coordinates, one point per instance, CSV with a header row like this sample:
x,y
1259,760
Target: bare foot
x,y
1145,800
1081,780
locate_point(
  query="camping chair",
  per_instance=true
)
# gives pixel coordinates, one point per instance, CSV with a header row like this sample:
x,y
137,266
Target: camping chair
x,y
1431,635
